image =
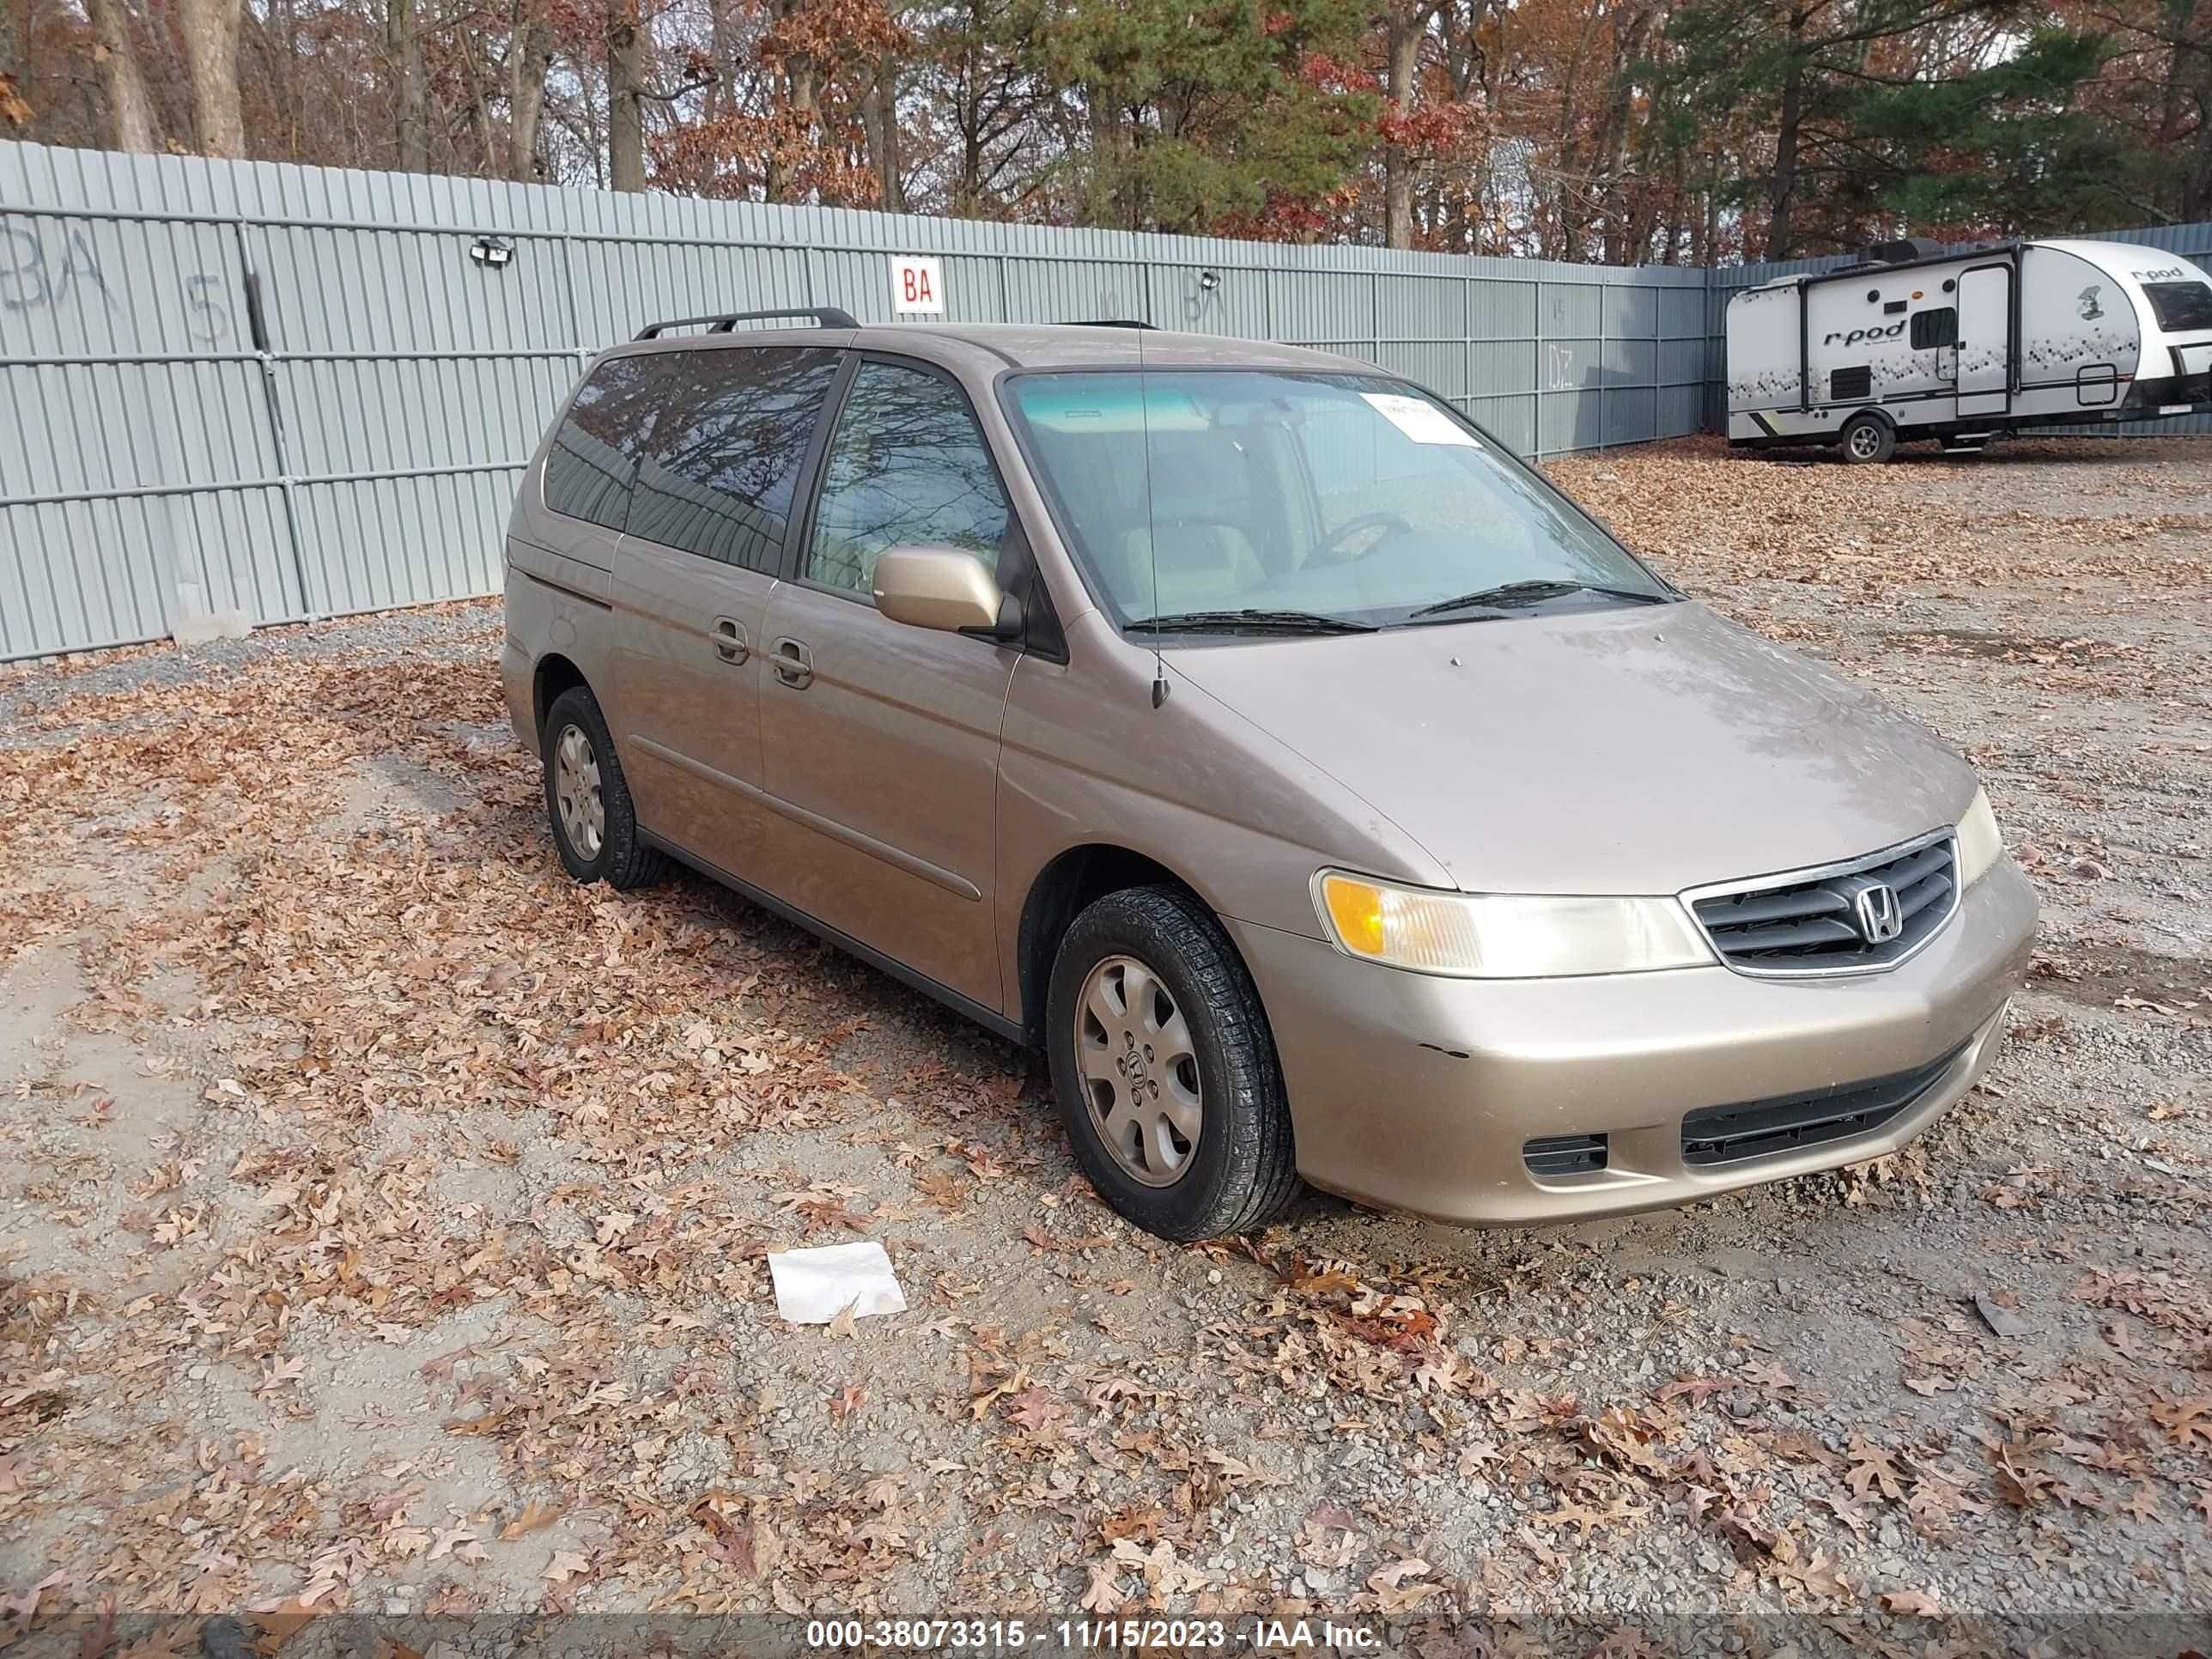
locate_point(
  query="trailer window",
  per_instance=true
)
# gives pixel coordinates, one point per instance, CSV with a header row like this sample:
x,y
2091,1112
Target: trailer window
x,y
1936,327
2181,306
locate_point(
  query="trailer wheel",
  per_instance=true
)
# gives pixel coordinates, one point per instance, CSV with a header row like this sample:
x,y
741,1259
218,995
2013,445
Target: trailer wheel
x,y
1869,438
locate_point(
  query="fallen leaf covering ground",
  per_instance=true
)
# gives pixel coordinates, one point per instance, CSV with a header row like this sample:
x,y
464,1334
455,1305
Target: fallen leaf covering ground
x,y
382,1217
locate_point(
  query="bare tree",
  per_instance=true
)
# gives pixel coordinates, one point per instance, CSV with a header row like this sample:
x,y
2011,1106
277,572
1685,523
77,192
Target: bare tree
x,y
402,48
1406,25
130,112
630,56
529,59
210,34
801,81
880,122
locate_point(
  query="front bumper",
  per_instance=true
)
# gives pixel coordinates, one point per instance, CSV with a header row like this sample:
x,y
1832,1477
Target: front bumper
x,y
1420,1093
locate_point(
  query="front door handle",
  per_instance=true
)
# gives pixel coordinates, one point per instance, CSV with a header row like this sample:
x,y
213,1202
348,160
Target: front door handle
x,y
792,662
730,641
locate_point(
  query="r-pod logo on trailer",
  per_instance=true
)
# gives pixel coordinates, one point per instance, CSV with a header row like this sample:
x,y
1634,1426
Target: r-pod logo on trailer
x,y
1859,334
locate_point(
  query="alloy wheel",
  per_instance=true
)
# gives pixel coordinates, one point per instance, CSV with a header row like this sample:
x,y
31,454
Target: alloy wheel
x,y
1140,1068
576,788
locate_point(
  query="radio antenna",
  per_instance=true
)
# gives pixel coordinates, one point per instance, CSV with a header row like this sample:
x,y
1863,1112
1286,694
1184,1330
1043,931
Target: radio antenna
x,y
1151,524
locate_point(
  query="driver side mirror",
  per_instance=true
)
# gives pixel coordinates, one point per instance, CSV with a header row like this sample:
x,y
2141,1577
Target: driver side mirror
x,y
943,588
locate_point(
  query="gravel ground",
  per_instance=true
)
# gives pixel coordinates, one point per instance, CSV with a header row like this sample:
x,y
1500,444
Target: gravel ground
x,y
382,1217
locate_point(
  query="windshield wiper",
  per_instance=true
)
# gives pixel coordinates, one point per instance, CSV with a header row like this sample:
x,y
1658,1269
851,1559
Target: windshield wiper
x,y
1534,593
1250,622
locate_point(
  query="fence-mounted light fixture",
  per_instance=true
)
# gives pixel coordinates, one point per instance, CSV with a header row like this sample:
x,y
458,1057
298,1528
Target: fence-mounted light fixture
x,y
1208,281
493,252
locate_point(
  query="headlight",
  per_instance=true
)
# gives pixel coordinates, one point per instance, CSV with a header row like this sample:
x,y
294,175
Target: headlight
x,y
1980,846
1504,936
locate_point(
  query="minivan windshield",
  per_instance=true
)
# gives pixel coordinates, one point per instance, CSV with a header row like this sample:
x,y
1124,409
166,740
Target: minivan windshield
x,y
1272,500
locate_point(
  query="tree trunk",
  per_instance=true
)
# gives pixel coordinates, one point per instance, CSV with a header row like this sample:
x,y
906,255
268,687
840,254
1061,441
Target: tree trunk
x,y
800,81
2196,177
529,59
2188,96
278,39
1782,193
726,51
1621,239
629,47
879,123
402,46
1406,23
1109,203
479,95
589,108
1564,238
130,112
211,32
15,65
2174,100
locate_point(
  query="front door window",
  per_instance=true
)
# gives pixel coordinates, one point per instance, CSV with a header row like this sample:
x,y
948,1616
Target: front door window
x,y
907,467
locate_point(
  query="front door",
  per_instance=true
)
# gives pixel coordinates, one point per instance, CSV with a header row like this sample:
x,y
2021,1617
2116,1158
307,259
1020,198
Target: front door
x,y
1984,341
706,534
880,741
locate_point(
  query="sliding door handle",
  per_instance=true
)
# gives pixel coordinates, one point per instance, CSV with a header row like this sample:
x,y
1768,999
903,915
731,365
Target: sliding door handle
x,y
792,662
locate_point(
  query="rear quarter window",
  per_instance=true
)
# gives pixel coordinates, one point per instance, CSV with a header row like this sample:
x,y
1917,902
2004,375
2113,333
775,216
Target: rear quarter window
x,y
2181,307
595,451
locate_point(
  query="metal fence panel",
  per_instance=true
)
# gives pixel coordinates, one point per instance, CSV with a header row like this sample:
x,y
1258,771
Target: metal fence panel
x,y
294,392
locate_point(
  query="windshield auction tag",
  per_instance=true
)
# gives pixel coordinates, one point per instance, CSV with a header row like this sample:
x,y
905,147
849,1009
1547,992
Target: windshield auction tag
x,y
1420,420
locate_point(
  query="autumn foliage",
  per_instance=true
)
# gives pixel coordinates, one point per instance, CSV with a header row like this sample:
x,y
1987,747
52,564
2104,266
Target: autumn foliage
x,y
1620,130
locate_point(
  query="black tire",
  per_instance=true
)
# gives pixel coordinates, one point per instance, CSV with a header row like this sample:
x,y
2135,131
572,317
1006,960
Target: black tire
x,y
1861,450
622,860
1242,1172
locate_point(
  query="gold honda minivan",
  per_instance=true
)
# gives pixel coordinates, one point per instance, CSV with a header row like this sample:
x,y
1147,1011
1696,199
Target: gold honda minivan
x,y
1327,795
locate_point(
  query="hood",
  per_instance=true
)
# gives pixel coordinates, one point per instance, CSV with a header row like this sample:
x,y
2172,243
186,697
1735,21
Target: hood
x,y
1641,750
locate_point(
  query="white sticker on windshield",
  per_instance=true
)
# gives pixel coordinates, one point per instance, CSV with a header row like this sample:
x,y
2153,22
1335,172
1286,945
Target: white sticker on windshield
x,y
1419,419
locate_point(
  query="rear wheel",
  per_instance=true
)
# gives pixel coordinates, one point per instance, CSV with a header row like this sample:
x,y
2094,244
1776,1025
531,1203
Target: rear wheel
x,y
1165,1069
594,826
1869,438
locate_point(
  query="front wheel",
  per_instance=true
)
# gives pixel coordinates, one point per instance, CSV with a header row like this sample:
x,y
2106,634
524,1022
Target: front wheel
x,y
1165,1069
1869,438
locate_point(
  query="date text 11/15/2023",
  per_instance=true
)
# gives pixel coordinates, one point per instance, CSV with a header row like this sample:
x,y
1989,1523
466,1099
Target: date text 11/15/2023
x,y
1092,1635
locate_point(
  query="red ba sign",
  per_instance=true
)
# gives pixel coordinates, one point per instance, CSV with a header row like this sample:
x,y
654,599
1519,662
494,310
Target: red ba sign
x,y
917,286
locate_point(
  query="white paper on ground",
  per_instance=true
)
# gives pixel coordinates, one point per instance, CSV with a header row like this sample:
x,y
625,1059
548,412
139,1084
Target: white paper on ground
x,y
1419,419
813,1287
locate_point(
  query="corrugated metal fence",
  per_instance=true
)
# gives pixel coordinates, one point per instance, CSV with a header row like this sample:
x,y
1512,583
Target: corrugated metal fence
x,y
294,392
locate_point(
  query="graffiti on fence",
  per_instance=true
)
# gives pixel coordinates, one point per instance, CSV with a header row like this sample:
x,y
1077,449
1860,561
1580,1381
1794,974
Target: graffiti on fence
x,y
45,269
35,273
208,319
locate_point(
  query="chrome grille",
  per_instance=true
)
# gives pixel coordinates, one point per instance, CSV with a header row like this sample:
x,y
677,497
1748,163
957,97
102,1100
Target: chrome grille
x,y
1830,919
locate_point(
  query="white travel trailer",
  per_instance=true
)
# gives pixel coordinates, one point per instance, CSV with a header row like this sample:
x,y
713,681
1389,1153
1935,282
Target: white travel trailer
x,y
1915,342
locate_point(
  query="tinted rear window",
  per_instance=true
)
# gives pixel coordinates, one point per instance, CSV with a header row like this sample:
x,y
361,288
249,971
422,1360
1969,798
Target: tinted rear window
x,y
2181,304
595,452
718,478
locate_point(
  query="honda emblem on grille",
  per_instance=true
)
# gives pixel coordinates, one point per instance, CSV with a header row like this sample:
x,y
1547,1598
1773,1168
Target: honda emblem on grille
x,y
1875,908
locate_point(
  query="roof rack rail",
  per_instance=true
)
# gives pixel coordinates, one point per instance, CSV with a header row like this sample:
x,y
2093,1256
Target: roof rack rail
x,y
828,316
1110,322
